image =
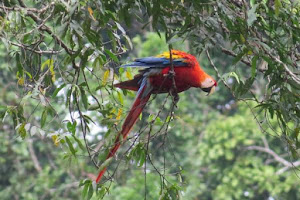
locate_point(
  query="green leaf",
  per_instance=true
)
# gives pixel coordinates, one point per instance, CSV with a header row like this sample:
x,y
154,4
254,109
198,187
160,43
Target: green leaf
x,y
296,133
85,189
158,121
112,55
56,91
142,158
22,131
278,5
150,118
72,127
101,192
252,2
19,64
44,117
253,66
83,182
90,192
231,74
84,98
73,151
239,56
79,143
120,97
49,63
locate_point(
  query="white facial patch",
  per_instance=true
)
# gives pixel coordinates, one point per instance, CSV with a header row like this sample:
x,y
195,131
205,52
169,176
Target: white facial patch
x,y
207,83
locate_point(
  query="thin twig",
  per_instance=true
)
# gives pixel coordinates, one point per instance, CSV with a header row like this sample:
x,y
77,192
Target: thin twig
x,y
46,28
35,51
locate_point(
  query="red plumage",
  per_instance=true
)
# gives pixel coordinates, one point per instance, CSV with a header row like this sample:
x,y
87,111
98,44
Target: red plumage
x,y
154,79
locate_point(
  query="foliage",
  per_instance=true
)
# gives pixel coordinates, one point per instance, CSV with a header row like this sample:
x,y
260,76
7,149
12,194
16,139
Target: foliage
x,y
59,60
229,167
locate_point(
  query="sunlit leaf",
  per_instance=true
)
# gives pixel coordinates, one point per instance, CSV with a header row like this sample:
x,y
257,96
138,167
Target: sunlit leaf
x,y
105,77
278,5
128,75
91,12
55,140
120,110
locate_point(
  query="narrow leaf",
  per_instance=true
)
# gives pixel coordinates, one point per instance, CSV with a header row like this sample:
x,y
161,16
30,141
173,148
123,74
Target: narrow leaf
x,y
278,5
90,192
84,98
79,143
120,97
112,55
253,66
57,90
70,146
105,77
85,189
44,117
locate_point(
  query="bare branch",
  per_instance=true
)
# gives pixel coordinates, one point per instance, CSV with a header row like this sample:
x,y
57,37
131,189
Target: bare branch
x,y
34,159
284,169
272,153
289,72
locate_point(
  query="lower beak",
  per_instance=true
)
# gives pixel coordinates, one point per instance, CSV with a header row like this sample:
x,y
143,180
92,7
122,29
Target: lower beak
x,y
212,90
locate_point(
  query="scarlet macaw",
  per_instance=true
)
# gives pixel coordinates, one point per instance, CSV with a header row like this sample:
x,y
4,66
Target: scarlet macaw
x,y
153,79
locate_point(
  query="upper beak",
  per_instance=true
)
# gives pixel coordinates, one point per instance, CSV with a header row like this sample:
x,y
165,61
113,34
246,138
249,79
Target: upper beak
x,y
209,90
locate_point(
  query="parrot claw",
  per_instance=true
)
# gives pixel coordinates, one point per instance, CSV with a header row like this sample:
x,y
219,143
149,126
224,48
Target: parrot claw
x,y
171,74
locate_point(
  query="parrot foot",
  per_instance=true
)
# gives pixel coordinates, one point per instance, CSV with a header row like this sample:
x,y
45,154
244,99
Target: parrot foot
x,y
171,74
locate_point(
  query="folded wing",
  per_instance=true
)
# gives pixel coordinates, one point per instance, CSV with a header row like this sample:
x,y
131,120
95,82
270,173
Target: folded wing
x,y
156,62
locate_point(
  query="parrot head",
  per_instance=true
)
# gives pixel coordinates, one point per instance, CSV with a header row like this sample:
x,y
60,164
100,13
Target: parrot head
x,y
208,85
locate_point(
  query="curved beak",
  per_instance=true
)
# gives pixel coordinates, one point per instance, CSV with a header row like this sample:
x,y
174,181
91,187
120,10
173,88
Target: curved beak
x,y
209,90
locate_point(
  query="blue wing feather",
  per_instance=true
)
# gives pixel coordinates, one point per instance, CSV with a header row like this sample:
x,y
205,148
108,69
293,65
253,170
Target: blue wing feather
x,y
155,62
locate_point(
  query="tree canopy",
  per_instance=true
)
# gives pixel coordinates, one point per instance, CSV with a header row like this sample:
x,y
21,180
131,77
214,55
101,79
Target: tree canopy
x,y
60,111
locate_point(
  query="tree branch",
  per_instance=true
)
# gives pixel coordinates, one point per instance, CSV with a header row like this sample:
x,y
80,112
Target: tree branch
x,y
231,53
279,159
34,159
284,169
42,10
32,50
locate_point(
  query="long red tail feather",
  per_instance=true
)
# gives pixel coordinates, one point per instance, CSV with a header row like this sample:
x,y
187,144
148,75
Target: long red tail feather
x,y
130,120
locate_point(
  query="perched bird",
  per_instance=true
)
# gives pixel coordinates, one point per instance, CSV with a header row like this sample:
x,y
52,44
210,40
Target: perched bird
x,y
155,78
